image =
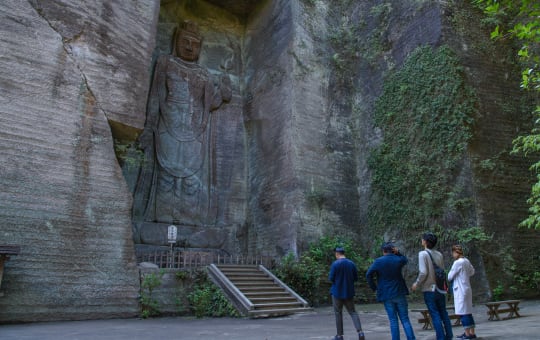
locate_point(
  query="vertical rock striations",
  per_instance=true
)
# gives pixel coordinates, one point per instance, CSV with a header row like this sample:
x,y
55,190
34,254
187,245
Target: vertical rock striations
x,y
67,69
269,119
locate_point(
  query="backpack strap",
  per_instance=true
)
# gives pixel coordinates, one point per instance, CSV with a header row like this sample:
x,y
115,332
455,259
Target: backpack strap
x,y
431,257
435,266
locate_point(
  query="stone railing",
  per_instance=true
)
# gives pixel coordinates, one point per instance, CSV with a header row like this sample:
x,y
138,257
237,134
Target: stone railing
x,y
193,259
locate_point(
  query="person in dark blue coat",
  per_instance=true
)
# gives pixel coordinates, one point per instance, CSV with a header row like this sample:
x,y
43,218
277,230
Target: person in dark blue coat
x,y
385,277
343,274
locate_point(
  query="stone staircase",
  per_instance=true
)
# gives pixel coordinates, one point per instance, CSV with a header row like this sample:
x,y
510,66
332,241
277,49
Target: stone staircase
x,y
256,292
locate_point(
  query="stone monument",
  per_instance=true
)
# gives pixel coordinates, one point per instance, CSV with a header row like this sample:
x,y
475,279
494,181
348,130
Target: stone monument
x,y
175,185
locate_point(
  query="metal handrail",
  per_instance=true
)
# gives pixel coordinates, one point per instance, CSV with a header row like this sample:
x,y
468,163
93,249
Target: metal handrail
x,y
282,284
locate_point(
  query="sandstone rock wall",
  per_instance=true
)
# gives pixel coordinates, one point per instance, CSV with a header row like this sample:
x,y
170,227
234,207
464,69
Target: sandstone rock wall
x,y
501,181
67,70
269,122
309,147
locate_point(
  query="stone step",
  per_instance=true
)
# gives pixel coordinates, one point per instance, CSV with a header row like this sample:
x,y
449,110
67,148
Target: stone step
x,y
270,294
244,274
247,288
238,268
238,273
235,275
273,300
255,283
266,313
248,279
254,287
261,294
277,305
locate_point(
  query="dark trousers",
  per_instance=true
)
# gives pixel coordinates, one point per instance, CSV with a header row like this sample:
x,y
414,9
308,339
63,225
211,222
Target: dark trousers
x,y
338,312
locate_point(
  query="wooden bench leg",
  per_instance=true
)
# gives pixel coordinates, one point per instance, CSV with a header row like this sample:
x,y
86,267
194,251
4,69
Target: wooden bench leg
x,y
458,321
515,309
493,313
427,321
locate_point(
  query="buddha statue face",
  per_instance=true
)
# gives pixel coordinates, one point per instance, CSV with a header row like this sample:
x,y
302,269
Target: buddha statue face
x,y
188,45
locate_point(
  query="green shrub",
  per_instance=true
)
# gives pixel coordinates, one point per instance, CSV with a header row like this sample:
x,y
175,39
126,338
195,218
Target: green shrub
x,y
303,276
207,299
308,275
498,292
149,305
182,275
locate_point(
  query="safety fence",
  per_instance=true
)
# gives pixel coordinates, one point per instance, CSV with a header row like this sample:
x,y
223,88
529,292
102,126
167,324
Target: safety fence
x,y
193,259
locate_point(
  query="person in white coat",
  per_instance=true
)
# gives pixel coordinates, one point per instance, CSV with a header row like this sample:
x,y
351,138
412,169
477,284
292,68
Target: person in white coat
x,y
460,274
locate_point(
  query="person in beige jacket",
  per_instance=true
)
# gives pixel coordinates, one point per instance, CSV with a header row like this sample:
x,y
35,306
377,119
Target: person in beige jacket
x,y
435,299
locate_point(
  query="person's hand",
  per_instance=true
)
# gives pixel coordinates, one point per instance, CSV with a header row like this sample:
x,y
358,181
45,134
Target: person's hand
x,y
413,287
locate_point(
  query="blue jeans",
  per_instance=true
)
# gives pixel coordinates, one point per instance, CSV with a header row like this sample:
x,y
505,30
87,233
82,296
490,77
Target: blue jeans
x,y
338,312
397,307
436,304
467,321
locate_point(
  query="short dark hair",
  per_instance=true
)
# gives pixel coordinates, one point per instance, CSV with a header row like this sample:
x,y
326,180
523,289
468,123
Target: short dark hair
x,y
339,250
431,239
387,247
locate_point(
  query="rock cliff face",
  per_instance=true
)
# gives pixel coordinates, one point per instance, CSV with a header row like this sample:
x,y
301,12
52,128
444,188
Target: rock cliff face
x,y
311,76
69,70
305,146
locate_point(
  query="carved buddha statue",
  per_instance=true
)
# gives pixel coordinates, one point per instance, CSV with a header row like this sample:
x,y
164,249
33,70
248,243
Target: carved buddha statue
x,y
177,134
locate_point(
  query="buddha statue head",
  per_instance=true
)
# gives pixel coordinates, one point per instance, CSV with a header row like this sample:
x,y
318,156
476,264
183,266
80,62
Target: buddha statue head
x,y
188,41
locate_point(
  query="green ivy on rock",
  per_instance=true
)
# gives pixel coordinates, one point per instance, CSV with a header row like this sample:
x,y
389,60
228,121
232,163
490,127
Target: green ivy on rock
x,y
426,115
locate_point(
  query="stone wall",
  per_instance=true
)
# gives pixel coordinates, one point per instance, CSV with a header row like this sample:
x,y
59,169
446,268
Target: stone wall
x,y
68,71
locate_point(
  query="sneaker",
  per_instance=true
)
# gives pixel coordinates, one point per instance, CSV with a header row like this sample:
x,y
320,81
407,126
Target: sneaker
x,y
470,336
338,337
461,336
361,336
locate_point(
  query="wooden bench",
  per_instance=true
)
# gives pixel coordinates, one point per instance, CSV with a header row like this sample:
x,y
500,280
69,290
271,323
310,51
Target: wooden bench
x,y
495,308
426,318
5,252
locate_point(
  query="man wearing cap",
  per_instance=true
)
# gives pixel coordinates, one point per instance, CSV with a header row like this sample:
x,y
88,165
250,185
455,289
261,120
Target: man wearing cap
x,y
385,277
343,274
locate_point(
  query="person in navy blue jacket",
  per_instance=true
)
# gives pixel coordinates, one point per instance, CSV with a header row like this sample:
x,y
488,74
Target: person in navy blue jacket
x,y
343,274
385,277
